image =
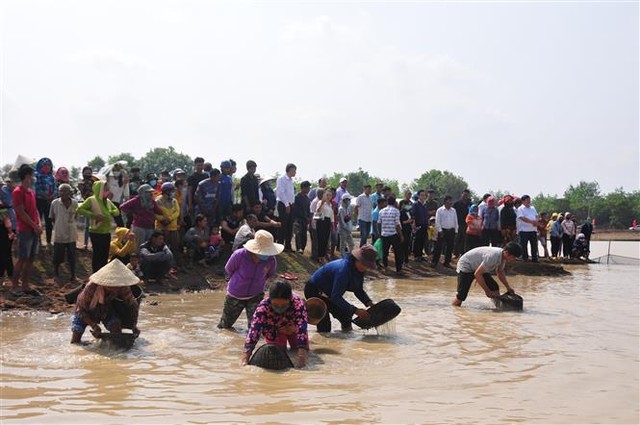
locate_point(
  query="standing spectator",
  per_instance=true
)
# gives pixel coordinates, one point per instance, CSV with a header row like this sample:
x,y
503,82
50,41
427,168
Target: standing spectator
x,y
375,215
118,185
391,233
345,225
323,217
447,227
542,232
527,228
100,211
167,221
225,195
29,231
362,212
207,197
473,237
491,231
374,201
285,195
420,224
342,190
8,235
143,210
568,234
322,184
301,216
46,192
508,220
555,234
86,190
63,216
249,184
462,209
192,185
431,203
406,221
313,229
587,230
267,196
155,258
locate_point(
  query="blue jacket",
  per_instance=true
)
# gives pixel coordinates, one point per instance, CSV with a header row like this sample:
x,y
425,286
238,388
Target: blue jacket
x,y
336,278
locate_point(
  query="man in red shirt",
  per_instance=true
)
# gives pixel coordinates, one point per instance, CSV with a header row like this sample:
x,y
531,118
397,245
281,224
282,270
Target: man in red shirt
x,y
29,231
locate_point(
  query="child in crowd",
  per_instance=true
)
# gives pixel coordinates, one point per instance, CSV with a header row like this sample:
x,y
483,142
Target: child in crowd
x,y
432,235
216,243
345,224
134,265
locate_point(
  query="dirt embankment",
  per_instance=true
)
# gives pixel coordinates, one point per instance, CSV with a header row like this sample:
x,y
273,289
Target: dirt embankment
x,y
197,278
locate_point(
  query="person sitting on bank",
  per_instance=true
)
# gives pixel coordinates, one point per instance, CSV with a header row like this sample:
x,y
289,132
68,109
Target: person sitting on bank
x,y
106,299
197,239
281,318
478,264
123,245
331,281
248,269
155,257
245,232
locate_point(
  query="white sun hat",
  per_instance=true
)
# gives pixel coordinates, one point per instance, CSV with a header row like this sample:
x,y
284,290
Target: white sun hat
x,y
262,244
114,274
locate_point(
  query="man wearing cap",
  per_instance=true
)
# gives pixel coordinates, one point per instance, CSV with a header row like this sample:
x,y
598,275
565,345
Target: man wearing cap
x,y
106,299
342,190
248,269
332,280
207,198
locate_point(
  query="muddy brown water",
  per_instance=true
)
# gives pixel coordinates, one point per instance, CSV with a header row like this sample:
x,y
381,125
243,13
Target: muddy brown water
x,y
570,357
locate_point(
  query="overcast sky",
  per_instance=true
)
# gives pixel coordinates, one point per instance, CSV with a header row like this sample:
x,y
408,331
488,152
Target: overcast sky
x,y
527,97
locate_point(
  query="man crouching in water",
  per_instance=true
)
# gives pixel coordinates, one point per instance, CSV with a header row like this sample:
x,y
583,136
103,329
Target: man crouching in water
x,y
478,264
107,298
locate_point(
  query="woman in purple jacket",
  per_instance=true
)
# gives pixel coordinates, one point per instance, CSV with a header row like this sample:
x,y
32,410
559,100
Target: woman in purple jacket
x,y
248,269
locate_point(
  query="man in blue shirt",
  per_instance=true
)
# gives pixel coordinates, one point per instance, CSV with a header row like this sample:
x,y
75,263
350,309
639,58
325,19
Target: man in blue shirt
x,y
332,280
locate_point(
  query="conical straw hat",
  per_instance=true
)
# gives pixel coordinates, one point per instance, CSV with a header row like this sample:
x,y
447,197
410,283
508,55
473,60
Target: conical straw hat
x,y
114,274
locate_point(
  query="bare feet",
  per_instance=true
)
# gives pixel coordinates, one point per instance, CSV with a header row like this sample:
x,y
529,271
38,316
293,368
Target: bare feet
x,y
456,302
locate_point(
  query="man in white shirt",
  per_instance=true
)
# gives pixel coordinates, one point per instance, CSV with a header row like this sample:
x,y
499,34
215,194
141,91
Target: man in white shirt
x,y
285,195
363,212
527,222
478,264
447,227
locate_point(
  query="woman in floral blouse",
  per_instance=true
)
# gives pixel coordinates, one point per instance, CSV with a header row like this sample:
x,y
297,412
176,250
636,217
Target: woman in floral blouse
x,y
281,317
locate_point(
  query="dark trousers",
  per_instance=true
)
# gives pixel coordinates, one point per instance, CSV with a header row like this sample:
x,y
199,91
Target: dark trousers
x,y
118,218
491,236
313,234
332,309
472,241
300,232
323,230
418,241
458,247
445,242
388,242
60,250
100,244
43,206
532,239
567,245
406,243
555,245
286,231
466,279
6,256
365,230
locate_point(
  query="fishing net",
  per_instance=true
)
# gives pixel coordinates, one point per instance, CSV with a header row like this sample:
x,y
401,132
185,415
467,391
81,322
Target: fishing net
x,y
617,260
271,356
379,314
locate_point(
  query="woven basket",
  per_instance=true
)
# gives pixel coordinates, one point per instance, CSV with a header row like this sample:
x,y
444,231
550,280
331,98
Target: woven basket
x,y
271,356
379,314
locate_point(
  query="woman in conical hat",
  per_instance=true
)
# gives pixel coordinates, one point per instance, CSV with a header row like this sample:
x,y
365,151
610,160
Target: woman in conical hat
x,y
109,286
